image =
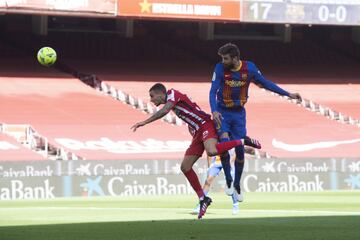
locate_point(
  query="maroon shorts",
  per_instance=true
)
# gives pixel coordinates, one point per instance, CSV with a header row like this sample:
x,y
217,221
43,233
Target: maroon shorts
x,y
206,132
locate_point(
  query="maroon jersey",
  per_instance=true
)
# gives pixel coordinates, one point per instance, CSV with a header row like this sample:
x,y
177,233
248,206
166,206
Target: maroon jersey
x,y
187,110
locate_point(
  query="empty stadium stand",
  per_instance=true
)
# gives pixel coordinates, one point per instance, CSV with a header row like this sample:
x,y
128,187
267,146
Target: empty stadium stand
x,y
75,117
94,126
11,150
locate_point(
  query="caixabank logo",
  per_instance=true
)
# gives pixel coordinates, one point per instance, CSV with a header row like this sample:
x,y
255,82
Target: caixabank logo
x,y
19,170
121,186
27,189
354,166
283,183
353,181
96,169
294,167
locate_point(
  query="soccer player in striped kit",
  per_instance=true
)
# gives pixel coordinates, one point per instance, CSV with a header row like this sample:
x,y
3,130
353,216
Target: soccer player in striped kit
x,y
228,96
202,128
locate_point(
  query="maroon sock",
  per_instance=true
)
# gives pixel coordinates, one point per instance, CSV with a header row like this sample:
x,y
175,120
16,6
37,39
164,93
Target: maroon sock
x,y
194,182
225,146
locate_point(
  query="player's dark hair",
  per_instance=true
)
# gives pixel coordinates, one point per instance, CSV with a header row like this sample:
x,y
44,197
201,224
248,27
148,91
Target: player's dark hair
x,y
158,87
230,49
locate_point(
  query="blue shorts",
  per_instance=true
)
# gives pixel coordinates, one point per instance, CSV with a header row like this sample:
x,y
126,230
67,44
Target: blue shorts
x,y
233,122
214,169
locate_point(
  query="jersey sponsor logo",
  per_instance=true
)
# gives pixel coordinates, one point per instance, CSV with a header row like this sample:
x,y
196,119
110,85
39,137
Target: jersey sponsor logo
x,y
234,83
227,75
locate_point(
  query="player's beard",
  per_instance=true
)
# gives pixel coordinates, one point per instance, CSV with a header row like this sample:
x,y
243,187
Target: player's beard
x,y
229,66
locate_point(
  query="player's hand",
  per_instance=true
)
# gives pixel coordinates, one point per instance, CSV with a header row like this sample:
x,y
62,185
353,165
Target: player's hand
x,y
137,125
295,96
217,118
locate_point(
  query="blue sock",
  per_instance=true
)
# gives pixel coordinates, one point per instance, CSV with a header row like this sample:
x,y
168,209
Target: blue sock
x,y
239,166
234,199
225,162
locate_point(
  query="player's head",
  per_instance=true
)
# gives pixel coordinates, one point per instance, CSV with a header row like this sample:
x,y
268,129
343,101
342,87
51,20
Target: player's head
x,y
157,94
230,55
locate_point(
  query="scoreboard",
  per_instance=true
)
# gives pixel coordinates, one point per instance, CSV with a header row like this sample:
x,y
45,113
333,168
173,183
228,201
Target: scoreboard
x,y
330,12
336,12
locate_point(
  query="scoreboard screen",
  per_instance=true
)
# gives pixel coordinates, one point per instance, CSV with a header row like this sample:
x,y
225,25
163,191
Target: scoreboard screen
x,y
336,12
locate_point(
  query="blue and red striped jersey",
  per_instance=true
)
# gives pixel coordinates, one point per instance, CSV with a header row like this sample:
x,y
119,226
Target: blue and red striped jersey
x,y
229,89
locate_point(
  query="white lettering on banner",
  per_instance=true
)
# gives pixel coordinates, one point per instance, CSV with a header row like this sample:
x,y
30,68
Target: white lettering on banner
x,y
106,144
208,10
284,167
186,9
29,171
17,190
128,169
307,167
292,184
7,146
354,166
68,4
162,186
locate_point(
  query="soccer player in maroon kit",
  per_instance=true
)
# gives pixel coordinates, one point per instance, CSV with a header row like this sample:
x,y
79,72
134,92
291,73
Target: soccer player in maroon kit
x,y
202,128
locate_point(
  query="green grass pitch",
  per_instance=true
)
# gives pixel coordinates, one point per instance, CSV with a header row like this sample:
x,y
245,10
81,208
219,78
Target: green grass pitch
x,y
282,216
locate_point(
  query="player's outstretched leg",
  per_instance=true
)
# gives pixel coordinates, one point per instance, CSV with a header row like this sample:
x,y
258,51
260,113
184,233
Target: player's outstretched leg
x,y
252,142
224,146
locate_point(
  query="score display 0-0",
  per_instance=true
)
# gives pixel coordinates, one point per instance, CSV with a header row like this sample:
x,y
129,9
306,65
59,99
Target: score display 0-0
x,y
336,12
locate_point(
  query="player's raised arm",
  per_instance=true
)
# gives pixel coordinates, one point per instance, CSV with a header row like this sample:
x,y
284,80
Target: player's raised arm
x,y
261,81
159,114
215,84
158,96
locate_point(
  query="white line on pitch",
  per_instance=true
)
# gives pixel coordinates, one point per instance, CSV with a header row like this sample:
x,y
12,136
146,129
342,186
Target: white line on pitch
x,y
182,209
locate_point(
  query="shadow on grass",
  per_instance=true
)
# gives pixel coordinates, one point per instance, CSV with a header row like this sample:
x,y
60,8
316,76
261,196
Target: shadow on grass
x,y
328,227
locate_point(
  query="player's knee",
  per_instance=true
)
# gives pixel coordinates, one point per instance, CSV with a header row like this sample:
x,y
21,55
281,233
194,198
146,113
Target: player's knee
x,y
184,168
211,152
